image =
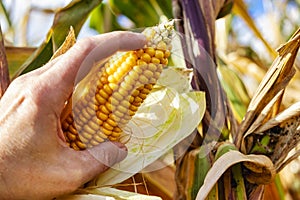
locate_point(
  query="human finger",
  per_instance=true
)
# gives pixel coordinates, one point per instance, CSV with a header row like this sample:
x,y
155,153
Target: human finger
x,y
82,56
102,157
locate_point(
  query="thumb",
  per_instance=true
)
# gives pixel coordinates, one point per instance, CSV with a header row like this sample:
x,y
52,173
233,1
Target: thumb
x,y
108,153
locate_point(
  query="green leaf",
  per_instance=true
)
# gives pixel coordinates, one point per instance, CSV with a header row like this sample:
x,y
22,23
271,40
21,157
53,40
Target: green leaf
x,y
226,9
141,13
16,56
74,14
165,6
203,163
103,19
235,90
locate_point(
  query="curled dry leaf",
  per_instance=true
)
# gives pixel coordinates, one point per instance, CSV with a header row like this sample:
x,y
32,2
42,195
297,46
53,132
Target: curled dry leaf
x,y
261,170
276,136
269,92
66,45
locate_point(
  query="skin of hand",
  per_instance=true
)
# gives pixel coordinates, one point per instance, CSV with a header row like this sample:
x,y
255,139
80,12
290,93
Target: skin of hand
x,y
35,162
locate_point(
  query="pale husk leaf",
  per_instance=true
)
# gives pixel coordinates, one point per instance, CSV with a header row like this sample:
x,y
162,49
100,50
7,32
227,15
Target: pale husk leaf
x,y
107,193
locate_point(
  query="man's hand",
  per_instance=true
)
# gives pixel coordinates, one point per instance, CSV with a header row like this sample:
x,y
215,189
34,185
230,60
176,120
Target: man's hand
x,y
35,163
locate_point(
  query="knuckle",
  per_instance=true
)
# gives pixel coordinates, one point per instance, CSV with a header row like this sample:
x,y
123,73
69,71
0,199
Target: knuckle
x,y
28,87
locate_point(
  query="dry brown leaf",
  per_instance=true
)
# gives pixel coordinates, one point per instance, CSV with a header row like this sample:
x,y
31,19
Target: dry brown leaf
x,y
291,112
260,167
67,44
263,115
275,81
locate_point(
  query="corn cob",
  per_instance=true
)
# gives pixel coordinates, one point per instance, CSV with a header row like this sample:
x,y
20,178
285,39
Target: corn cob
x,y
116,91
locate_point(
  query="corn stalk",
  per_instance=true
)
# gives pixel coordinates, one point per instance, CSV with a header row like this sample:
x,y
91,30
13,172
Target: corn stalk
x,y
240,167
197,24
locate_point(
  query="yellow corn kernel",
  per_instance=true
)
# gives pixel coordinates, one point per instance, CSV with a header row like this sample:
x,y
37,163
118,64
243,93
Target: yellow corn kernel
x,y
167,54
94,143
143,79
150,51
86,134
102,116
112,138
111,122
152,67
88,130
148,73
155,60
143,95
71,136
141,62
112,79
104,110
107,126
93,125
98,138
139,52
80,145
159,54
100,99
164,61
118,113
115,134
106,131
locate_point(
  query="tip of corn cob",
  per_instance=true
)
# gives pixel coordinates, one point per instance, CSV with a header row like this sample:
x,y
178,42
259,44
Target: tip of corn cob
x,y
160,36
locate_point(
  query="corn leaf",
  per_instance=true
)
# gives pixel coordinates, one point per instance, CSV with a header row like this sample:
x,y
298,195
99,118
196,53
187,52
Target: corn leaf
x,y
230,158
271,88
16,56
235,90
73,15
142,13
106,193
226,8
85,197
5,12
104,20
118,194
165,6
200,166
66,45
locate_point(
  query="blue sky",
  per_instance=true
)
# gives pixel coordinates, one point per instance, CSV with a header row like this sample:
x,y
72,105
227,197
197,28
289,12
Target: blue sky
x,y
255,7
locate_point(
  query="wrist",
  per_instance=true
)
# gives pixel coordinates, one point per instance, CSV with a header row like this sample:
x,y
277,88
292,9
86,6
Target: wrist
x,y
4,187
5,171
